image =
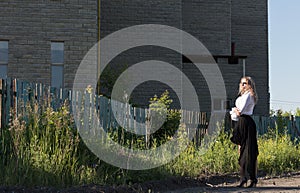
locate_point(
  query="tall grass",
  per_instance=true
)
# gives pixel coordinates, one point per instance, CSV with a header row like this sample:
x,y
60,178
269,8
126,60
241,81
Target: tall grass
x,y
221,157
278,155
43,148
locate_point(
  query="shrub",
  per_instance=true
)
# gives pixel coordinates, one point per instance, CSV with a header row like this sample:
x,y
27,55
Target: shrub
x,y
278,155
160,106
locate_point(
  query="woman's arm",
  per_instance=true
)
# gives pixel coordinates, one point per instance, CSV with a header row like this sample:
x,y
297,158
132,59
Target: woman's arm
x,y
242,104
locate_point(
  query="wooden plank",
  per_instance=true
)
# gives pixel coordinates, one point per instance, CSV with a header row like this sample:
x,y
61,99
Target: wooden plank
x,y
124,114
108,114
1,97
297,126
257,123
148,126
86,118
103,110
113,117
7,101
197,138
139,121
135,118
265,125
35,91
93,116
131,118
73,104
20,105
14,102
78,109
24,94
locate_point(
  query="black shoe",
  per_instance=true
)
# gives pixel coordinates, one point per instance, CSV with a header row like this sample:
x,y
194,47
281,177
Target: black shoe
x,y
252,184
242,183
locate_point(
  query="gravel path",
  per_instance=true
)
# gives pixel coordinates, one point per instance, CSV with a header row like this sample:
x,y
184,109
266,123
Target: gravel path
x,y
225,183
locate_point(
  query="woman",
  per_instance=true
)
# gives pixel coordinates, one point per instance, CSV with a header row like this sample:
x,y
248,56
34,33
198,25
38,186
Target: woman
x,y
244,133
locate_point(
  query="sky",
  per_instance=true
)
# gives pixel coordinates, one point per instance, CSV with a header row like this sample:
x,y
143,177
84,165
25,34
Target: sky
x,y
284,54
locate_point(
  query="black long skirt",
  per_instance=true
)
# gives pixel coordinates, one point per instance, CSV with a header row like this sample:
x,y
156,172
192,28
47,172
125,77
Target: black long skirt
x,y
245,135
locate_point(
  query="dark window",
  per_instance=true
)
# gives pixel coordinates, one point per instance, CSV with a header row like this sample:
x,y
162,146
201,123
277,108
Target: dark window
x,y
57,73
3,59
57,67
57,52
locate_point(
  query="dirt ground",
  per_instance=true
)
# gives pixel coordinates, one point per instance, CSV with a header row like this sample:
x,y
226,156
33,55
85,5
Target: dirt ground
x,y
281,184
217,183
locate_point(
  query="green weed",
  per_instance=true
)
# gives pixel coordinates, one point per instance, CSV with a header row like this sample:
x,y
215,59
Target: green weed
x,y
44,148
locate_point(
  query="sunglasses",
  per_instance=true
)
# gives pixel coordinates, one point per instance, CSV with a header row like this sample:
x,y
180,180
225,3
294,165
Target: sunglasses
x,y
244,83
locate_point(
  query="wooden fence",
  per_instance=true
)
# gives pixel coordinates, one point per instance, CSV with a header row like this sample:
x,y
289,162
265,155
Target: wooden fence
x,y
14,94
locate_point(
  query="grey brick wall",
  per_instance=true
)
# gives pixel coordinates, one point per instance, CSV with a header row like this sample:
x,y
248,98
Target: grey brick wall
x,y
216,24
209,22
30,26
250,33
117,14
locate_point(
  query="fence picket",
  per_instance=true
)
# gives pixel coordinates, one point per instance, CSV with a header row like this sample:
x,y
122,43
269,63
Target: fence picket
x,y
113,122
1,103
86,111
297,126
78,108
7,101
103,115
106,113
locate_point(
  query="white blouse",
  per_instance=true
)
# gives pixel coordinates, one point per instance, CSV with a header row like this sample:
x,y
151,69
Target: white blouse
x,y
245,104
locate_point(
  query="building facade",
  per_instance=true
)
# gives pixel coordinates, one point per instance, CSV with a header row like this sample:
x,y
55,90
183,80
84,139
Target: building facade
x,y
45,42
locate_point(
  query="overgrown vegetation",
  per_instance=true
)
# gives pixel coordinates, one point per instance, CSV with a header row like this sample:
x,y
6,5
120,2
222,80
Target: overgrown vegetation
x,y
220,158
43,148
278,155
160,112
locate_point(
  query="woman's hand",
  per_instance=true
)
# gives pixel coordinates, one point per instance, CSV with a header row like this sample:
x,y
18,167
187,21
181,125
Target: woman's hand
x,y
237,112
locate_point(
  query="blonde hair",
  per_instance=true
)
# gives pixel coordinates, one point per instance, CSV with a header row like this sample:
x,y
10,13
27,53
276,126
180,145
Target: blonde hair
x,y
252,87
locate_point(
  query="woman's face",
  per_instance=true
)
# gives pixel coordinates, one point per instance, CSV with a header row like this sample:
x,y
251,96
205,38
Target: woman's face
x,y
244,84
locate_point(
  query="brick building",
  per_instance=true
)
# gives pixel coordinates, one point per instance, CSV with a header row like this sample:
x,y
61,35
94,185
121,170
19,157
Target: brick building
x,y
45,41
